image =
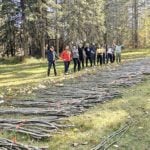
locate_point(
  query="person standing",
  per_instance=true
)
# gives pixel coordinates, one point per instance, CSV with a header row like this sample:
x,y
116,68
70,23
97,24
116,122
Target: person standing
x,y
66,56
88,55
93,53
75,56
82,55
51,57
118,51
99,55
113,53
104,53
109,55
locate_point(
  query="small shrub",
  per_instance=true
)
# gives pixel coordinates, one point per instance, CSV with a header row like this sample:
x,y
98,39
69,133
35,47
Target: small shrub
x,y
33,60
11,60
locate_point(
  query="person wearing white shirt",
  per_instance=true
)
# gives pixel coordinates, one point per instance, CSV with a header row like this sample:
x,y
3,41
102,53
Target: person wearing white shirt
x,y
109,55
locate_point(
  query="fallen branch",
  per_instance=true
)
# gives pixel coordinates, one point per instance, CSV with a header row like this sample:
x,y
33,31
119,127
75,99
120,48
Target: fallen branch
x,y
6,144
104,145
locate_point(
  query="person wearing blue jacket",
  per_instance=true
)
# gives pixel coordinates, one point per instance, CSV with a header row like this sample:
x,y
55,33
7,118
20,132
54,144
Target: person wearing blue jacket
x,y
93,53
88,55
51,57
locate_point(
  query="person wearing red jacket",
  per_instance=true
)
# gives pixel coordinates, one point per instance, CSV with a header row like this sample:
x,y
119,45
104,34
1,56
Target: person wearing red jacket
x,y
67,57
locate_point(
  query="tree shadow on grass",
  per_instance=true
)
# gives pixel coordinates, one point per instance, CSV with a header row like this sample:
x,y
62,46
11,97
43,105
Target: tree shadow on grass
x,y
17,68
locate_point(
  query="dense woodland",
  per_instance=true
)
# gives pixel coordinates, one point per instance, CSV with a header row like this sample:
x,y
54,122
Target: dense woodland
x,y
26,26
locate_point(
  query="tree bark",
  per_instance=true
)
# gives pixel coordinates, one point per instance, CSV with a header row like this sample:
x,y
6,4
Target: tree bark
x,y
24,30
57,38
135,18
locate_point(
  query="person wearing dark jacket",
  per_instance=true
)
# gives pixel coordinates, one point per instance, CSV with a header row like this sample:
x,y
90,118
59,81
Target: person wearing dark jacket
x,y
113,53
81,55
51,57
93,53
105,54
88,55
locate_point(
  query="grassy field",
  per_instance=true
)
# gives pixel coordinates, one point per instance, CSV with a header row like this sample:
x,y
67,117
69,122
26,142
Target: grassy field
x,y
135,53
93,126
27,76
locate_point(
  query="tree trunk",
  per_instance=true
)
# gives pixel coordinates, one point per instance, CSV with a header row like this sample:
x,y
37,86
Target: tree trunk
x,y
24,33
57,38
43,45
135,17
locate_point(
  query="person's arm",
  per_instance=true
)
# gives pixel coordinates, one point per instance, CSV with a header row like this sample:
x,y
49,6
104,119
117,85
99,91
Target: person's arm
x,y
56,55
61,55
96,51
84,53
71,55
46,54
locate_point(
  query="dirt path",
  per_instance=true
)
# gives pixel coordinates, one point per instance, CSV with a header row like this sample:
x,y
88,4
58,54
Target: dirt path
x,y
39,117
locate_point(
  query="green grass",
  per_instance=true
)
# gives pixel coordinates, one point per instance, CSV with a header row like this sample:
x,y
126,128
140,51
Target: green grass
x,y
135,53
24,77
97,123
92,126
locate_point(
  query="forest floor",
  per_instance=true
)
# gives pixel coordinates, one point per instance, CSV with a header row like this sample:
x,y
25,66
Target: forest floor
x,y
75,113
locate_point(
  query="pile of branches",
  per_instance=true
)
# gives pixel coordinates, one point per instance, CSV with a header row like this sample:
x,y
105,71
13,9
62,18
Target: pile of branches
x,y
36,129
6,144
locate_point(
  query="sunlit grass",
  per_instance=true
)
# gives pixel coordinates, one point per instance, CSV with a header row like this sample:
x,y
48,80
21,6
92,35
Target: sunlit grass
x,y
33,71
99,121
91,127
27,73
135,53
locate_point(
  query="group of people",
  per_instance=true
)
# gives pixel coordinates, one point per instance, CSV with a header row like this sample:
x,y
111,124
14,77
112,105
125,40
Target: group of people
x,y
83,56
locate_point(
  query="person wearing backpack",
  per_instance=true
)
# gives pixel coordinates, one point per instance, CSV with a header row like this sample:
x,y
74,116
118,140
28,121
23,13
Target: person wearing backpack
x,y
51,57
